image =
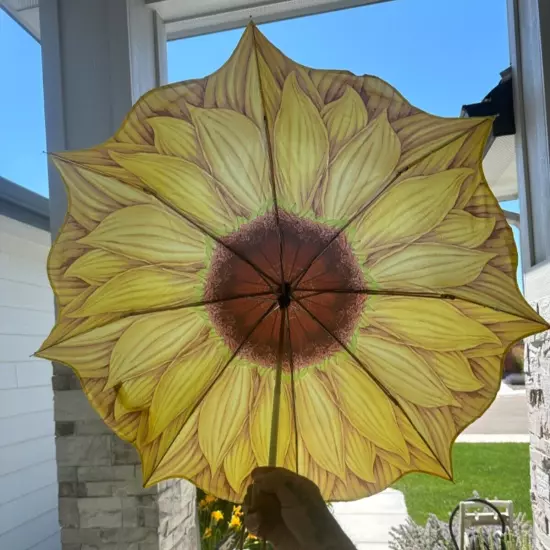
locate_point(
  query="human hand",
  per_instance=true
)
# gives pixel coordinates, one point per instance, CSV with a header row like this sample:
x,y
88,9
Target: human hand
x,y
288,510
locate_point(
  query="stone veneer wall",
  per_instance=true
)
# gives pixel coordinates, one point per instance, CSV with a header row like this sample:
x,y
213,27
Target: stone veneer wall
x,y
102,505
537,366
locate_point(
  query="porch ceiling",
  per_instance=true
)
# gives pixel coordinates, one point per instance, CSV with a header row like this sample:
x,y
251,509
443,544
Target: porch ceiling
x,y
499,165
192,17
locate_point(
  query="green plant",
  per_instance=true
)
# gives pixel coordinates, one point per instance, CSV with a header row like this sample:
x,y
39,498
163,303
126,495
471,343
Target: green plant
x,y
221,525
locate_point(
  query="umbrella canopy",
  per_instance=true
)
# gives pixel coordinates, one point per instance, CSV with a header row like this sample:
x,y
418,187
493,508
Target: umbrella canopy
x,y
284,265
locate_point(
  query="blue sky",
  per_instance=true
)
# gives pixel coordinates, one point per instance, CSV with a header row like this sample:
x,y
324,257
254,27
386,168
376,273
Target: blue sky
x,y
438,54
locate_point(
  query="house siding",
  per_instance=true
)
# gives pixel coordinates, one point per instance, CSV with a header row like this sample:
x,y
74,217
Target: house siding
x,y
28,479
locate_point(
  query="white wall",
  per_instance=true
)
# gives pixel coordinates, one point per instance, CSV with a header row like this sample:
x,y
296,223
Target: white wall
x,y
28,480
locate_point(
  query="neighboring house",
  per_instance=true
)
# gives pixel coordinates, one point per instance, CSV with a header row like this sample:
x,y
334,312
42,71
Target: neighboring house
x,y
28,479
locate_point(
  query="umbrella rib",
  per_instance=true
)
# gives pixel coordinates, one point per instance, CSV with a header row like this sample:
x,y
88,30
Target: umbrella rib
x,y
300,276
375,380
292,386
222,370
271,165
267,279
185,306
373,292
274,436
403,294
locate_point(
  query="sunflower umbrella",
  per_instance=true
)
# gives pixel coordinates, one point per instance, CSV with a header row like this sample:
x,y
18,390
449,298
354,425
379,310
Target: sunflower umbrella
x,y
278,264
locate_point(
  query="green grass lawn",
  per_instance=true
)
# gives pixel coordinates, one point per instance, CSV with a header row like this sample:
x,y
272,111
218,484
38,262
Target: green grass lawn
x,y
492,469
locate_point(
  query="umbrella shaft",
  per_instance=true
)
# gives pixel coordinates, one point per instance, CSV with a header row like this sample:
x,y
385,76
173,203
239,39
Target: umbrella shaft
x,y
275,418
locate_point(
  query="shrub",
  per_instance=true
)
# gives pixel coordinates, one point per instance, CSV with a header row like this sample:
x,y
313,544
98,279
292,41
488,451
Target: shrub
x,y
435,536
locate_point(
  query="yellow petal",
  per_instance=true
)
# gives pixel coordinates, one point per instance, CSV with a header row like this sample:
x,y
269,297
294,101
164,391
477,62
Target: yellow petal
x,y
409,209
278,64
185,186
444,159
137,393
426,463
152,234
403,372
344,118
65,250
383,97
454,370
422,134
236,85
300,147
234,149
297,459
413,438
182,458
174,137
224,412
98,159
352,488
501,240
308,86
239,462
395,460
512,331
428,323
497,290
320,424
215,484
156,340
271,91
429,266
331,85
120,410
142,289
437,427
488,369
360,169
463,229
89,351
365,405
260,425
473,405
360,454
98,266
385,472
323,479
485,315
93,196
66,327
184,385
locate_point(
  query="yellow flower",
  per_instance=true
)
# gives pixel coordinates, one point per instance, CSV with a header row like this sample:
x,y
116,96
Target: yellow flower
x,y
217,515
251,537
235,522
207,533
237,510
203,504
209,499
401,267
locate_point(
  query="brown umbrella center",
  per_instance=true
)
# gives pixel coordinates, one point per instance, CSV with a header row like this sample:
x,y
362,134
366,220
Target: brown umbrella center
x,y
309,273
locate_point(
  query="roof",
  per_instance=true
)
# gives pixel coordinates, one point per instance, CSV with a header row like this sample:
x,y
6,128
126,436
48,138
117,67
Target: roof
x,y
23,205
185,18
